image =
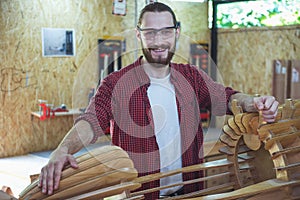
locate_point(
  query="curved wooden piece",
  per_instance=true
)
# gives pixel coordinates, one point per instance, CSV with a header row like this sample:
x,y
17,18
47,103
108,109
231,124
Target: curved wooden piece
x,y
281,139
252,141
98,168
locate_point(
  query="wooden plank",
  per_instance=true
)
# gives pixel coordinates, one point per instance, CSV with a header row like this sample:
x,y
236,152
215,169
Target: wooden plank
x,y
258,188
238,121
207,178
86,162
277,128
246,121
284,137
230,132
245,157
104,180
254,123
243,149
108,191
227,151
92,164
290,166
285,151
228,141
193,168
234,126
252,141
216,189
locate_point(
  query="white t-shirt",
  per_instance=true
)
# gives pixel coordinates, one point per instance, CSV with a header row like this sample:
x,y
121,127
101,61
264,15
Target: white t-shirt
x,y
161,94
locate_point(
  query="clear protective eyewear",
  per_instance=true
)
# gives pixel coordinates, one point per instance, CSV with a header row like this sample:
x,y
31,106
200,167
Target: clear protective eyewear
x,y
151,33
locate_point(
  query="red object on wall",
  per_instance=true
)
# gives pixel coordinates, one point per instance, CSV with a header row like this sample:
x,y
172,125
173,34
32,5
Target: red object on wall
x,y
47,112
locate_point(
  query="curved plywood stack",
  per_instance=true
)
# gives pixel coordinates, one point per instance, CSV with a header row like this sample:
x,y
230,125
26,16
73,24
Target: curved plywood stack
x,y
100,168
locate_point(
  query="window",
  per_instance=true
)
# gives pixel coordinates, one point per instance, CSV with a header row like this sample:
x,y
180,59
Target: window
x,y
242,14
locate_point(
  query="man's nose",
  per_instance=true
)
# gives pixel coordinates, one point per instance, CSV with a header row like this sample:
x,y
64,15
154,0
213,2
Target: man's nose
x,y
158,37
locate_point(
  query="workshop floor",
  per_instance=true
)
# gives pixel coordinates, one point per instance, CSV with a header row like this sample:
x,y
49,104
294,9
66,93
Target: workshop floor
x,y
15,171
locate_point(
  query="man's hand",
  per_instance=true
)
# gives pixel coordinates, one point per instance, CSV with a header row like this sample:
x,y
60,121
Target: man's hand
x,y
268,107
80,135
51,173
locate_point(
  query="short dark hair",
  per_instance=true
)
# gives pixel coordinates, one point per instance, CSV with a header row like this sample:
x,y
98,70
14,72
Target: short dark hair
x,y
156,7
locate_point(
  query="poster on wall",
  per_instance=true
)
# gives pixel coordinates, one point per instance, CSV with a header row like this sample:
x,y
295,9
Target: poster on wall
x,y
150,1
119,7
58,42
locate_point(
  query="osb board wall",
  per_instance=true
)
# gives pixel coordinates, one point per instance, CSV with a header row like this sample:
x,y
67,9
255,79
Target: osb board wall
x,y
26,76
245,56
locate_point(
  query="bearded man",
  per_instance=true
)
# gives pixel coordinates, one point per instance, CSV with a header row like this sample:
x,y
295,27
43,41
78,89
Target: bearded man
x,y
152,107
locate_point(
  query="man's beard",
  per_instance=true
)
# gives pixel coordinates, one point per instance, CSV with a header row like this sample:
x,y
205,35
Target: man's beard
x,y
160,60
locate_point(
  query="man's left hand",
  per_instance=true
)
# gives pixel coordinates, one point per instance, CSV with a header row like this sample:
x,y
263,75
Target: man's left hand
x,y
268,107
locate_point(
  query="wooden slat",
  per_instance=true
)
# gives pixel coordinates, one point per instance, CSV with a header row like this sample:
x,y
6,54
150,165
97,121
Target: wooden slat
x,y
193,168
230,132
244,149
282,137
227,151
290,166
277,128
246,168
231,123
87,162
252,141
254,124
286,151
245,157
94,172
239,123
108,191
207,178
246,121
215,189
104,180
258,188
228,141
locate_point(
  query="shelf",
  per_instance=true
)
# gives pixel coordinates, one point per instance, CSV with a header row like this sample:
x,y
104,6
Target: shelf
x,y
59,114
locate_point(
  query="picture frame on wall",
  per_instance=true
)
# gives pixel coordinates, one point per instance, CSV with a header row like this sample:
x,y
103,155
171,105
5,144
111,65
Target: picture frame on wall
x,y
150,1
58,42
119,7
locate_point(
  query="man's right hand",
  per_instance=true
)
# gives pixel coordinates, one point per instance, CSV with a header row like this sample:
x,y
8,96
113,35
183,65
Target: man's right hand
x,y
51,173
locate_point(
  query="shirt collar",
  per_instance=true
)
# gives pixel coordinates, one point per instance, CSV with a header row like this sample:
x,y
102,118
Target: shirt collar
x,y
141,74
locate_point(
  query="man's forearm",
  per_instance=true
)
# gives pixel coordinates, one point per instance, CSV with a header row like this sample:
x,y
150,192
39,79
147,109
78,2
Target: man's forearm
x,y
80,135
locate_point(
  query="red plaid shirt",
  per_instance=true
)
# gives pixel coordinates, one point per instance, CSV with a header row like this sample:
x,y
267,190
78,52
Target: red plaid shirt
x,y
121,103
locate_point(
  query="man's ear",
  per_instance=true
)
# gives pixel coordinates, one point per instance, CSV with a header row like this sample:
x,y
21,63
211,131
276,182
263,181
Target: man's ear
x,y
177,33
178,30
138,34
